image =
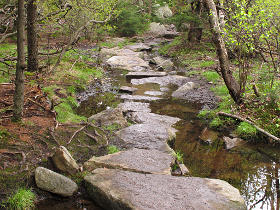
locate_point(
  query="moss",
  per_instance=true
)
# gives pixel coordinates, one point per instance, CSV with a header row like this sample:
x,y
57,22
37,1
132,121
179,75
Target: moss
x,y
216,123
23,199
245,130
65,113
112,149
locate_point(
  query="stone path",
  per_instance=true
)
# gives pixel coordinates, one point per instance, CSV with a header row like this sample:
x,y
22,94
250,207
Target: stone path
x,y
140,176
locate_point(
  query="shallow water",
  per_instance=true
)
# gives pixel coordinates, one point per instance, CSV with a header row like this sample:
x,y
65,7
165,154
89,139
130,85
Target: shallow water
x,y
252,168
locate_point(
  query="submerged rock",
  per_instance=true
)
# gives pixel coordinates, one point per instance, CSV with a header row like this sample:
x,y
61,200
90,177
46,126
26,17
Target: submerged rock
x,y
109,117
145,74
154,93
233,142
162,81
139,98
116,189
126,89
208,136
135,160
55,183
131,106
130,63
63,160
147,136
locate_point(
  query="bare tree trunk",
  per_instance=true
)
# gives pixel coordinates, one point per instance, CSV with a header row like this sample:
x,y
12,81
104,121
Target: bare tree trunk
x,y
19,82
32,41
232,85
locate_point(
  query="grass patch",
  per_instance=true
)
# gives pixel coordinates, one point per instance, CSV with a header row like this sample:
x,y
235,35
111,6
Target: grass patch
x,y
211,76
216,123
112,149
245,130
23,199
179,156
112,127
206,64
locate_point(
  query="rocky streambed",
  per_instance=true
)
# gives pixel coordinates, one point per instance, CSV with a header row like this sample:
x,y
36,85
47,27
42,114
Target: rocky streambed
x,y
139,176
157,116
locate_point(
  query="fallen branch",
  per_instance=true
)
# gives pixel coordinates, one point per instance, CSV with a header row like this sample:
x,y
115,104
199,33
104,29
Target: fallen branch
x,y
29,99
251,123
75,133
91,136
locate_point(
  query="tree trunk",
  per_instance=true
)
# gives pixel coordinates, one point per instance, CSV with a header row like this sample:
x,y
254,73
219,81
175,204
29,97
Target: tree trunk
x,y
232,85
32,41
19,82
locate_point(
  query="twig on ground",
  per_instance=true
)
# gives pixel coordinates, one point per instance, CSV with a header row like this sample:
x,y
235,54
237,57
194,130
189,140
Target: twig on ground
x,y
91,136
251,123
75,133
29,99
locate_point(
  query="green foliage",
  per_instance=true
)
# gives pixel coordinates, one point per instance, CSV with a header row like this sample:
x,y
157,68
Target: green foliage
x,y
211,76
245,130
65,112
180,20
164,50
4,135
130,21
179,156
216,123
112,149
23,199
112,127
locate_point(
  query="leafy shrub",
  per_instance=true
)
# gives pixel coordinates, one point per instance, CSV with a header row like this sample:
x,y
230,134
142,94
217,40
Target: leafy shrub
x,y
129,22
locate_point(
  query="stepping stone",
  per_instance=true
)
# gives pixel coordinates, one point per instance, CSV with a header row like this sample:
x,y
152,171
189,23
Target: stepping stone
x,y
135,107
135,160
140,75
116,189
152,118
130,63
139,98
147,136
154,93
139,47
126,89
162,81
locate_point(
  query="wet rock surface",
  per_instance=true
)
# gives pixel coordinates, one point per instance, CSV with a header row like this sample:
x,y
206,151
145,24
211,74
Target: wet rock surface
x,y
55,183
154,93
146,136
141,117
162,81
140,75
135,107
116,189
233,142
126,89
135,160
197,92
139,98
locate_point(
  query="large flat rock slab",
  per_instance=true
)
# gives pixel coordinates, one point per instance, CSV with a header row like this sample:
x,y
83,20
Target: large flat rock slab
x,y
116,189
147,136
106,53
131,106
139,98
130,63
139,47
145,74
162,81
135,160
152,118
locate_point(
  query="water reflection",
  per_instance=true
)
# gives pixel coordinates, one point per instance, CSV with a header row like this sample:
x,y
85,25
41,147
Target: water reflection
x,y
252,168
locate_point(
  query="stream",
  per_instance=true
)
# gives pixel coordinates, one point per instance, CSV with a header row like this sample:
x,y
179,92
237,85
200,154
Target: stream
x,y
251,168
